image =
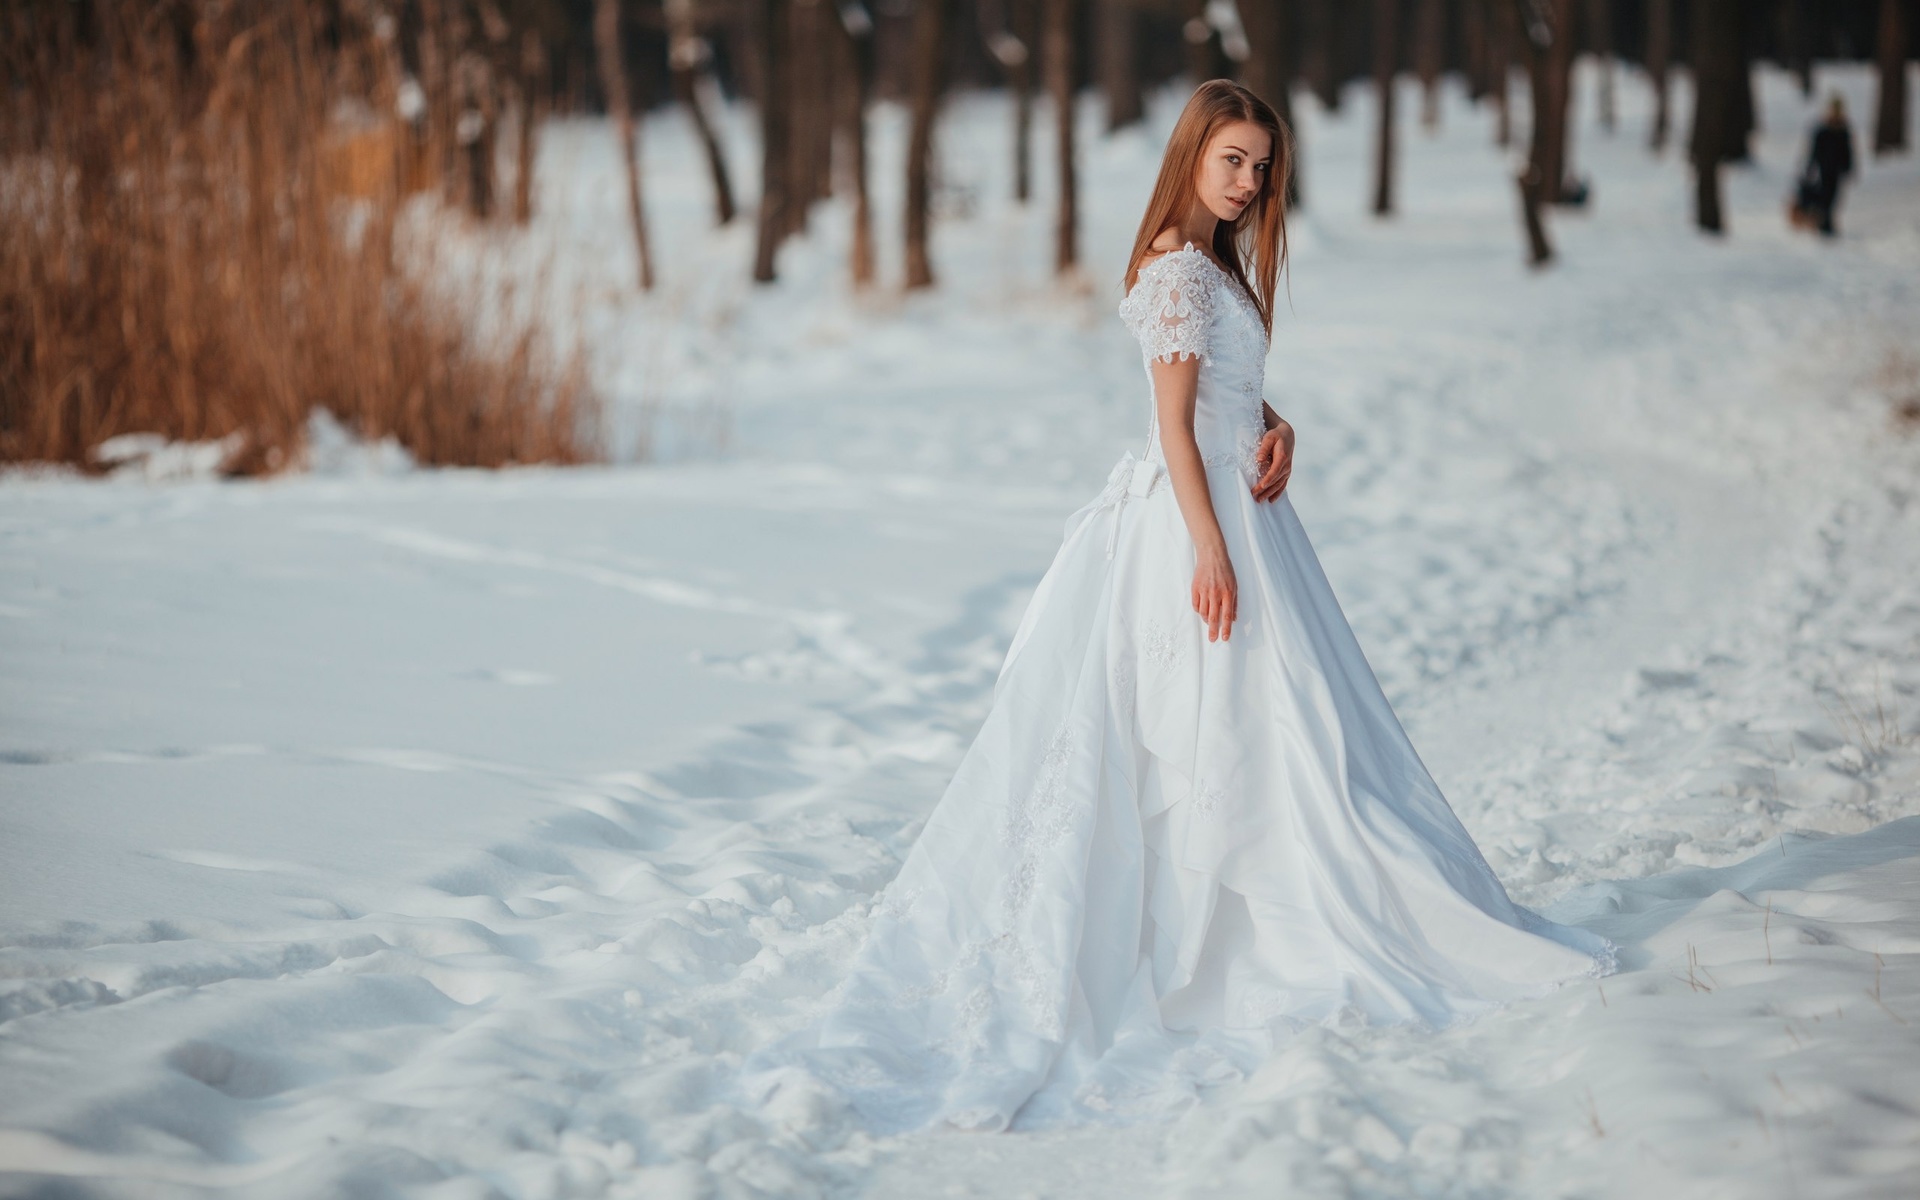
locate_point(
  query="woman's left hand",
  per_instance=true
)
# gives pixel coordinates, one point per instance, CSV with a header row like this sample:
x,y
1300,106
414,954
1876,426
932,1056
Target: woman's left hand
x,y
1276,462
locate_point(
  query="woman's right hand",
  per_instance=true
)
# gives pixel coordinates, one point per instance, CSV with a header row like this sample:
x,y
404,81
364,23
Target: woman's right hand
x,y
1216,594
1276,462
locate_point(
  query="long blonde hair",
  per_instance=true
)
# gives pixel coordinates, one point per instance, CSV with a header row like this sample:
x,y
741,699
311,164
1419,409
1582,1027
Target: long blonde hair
x,y
1253,245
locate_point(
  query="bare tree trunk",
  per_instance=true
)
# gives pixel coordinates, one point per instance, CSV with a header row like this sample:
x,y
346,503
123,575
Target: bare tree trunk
x,y
486,77
1198,33
1474,44
1796,47
929,22
1659,67
1269,66
802,99
1317,55
805,112
1119,78
391,80
1600,35
690,58
466,182
1559,114
1024,24
533,65
434,82
1745,120
475,132
856,89
1057,53
747,32
1539,249
1534,34
770,27
613,80
1262,71
1890,118
822,17
1501,34
1429,48
1714,23
1546,30
523,162
1386,63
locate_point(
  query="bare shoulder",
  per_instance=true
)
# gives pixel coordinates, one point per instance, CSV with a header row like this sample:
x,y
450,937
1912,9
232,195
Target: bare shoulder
x,y
1167,243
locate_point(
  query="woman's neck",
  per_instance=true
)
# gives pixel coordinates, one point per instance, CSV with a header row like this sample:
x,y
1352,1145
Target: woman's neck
x,y
1197,226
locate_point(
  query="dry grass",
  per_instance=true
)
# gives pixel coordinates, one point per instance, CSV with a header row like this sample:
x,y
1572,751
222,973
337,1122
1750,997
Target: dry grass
x,y
1870,720
201,236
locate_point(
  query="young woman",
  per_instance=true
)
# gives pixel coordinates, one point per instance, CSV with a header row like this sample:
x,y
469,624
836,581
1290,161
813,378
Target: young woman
x,y
1191,822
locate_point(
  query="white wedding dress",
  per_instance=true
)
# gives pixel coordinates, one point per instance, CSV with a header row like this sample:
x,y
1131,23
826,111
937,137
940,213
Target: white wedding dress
x,y
1163,854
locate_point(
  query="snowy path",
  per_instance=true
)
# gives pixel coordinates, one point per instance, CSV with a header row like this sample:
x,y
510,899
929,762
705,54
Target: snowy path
x,y
453,834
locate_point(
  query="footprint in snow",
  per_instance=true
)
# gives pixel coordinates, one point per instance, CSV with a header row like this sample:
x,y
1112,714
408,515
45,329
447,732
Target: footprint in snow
x,y
515,677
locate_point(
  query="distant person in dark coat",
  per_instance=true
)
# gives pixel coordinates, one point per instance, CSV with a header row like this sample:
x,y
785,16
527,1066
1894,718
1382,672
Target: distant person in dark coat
x,y
1829,161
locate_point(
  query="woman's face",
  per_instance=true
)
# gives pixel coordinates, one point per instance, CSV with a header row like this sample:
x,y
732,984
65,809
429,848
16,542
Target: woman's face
x,y
1233,168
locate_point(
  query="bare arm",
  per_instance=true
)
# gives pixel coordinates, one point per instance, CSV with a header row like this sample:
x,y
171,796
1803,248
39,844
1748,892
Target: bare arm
x,y
1215,592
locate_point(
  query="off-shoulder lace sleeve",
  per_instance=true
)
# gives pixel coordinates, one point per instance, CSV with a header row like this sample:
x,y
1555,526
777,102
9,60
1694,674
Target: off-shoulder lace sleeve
x,y
1170,309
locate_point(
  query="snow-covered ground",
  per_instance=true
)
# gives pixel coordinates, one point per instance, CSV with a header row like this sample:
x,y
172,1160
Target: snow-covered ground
x,y
453,834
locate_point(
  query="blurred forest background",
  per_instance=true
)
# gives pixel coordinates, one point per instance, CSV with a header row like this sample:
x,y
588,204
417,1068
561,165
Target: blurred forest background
x,y
219,216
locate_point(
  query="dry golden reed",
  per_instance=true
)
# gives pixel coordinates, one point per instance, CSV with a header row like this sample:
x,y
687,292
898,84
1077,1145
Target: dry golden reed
x,y
201,235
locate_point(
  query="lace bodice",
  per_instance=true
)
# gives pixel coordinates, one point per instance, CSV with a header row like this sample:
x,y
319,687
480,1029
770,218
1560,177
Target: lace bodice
x,y
1183,305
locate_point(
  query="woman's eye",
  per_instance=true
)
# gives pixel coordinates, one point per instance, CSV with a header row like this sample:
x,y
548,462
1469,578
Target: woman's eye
x,y
1234,159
